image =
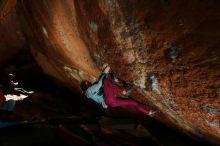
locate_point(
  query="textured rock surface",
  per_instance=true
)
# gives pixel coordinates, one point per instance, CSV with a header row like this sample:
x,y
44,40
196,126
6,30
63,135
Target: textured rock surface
x,y
169,51
11,36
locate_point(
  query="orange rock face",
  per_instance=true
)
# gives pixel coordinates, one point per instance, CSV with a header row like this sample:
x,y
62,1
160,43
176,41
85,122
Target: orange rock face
x,y
168,50
11,36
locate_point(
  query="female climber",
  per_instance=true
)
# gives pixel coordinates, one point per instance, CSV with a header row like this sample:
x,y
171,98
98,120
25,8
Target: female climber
x,y
105,91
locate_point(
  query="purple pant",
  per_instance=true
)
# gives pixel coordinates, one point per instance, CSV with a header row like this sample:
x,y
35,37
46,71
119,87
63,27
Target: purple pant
x,y
111,91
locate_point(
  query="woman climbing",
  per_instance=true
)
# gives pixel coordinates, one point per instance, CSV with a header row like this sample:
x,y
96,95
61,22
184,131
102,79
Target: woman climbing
x,y
105,92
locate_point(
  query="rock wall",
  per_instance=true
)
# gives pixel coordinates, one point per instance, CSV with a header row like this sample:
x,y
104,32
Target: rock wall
x,y
168,50
11,36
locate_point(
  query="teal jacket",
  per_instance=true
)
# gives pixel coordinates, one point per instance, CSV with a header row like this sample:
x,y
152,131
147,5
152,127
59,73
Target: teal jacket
x,y
95,92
